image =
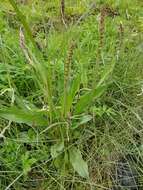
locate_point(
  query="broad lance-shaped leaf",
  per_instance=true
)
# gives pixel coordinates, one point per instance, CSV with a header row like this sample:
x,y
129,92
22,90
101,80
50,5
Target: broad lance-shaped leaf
x,y
87,99
23,116
79,165
72,92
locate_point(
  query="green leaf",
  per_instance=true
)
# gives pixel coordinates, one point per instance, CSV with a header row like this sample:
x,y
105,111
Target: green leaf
x,y
83,120
27,163
79,165
87,99
106,73
28,117
57,149
101,110
59,161
72,92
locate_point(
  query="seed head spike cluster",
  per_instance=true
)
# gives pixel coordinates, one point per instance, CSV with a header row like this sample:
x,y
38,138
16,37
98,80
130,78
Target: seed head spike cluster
x,y
101,33
121,32
23,46
102,26
119,40
62,10
67,64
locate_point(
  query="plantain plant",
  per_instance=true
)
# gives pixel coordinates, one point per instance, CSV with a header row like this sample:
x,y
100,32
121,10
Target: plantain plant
x,y
61,117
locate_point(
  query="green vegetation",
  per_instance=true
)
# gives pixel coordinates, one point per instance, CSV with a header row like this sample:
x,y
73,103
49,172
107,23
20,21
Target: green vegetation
x,y
71,93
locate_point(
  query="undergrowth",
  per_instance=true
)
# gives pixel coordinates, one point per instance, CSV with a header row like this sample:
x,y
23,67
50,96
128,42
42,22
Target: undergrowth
x,y
71,93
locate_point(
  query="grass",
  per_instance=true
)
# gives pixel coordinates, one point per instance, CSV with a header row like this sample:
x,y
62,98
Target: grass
x,y
70,94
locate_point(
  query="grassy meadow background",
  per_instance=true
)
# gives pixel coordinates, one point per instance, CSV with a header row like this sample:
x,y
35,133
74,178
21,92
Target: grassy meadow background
x,y
71,95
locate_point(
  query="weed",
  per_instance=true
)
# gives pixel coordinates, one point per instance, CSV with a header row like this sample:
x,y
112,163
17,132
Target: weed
x,y
67,121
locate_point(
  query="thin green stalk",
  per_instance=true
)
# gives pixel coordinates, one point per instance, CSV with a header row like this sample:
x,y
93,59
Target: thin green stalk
x,y
22,19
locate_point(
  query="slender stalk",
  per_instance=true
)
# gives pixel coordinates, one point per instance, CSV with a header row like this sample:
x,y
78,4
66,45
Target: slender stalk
x,y
67,67
22,19
62,12
102,29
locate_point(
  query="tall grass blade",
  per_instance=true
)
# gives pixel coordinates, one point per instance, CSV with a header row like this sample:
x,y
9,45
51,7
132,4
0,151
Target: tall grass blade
x,y
106,73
